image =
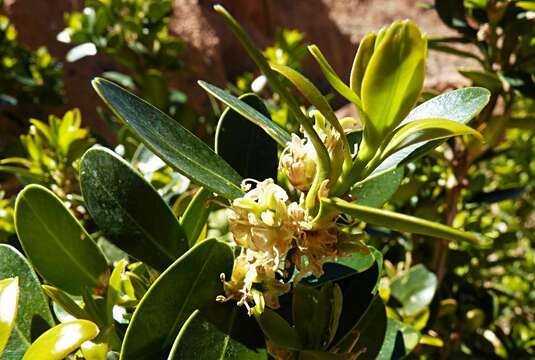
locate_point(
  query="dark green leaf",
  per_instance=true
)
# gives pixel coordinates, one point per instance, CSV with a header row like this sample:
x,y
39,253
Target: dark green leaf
x,y
367,336
244,145
278,330
32,304
128,210
224,331
57,245
276,132
170,141
189,283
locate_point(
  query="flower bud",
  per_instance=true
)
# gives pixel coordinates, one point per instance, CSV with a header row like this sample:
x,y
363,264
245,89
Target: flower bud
x,y
298,161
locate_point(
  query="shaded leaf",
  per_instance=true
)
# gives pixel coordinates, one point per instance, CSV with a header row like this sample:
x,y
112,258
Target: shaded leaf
x,y
189,283
393,346
244,145
224,331
278,330
175,145
32,303
61,340
275,131
196,215
366,337
128,210
55,242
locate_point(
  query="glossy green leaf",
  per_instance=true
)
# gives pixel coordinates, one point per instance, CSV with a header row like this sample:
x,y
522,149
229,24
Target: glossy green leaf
x,y
393,79
248,149
414,289
459,105
424,130
360,63
366,337
94,351
175,145
196,215
278,330
33,311
128,210
452,13
275,131
375,191
189,283
57,245
359,260
333,78
223,332
61,340
9,299
400,222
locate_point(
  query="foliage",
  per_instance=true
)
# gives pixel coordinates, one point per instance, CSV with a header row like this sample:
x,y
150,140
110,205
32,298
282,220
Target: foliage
x,y
29,80
293,276
53,151
134,33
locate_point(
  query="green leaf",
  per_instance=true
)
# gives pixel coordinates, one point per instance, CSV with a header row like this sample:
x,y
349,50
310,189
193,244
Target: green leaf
x,y
196,215
359,260
33,311
278,330
225,331
393,346
424,130
310,92
66,302
393,80
484,79
459,105
375,191
275,131
128,210
189,283
414,289
9,298
175,145
361,61
333,78
400,222
367,336
244,145
61,340
452,13
57,245
357,294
